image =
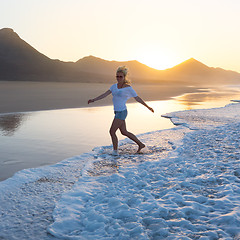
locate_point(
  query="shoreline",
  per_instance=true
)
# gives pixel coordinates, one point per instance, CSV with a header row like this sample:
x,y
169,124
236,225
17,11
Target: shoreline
x,y
42,96
196,183
16,121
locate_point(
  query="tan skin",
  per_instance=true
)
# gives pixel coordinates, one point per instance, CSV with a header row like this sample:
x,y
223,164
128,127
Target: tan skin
x,y
118,123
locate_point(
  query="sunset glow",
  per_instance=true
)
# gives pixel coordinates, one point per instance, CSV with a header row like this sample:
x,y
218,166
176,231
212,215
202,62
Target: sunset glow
x,y
155,57
157,33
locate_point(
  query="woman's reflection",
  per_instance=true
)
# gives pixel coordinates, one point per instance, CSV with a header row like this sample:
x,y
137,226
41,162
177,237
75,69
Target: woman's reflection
x,y
10,123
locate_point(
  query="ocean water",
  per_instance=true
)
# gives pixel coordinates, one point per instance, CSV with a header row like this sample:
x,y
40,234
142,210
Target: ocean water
x,y
185,184
46,137
34,139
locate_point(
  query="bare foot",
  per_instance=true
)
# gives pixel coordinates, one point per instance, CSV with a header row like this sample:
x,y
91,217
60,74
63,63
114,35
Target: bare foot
x,y
140,147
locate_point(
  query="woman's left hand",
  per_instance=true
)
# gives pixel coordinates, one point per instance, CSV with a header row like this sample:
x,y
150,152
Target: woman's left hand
x,y
151,109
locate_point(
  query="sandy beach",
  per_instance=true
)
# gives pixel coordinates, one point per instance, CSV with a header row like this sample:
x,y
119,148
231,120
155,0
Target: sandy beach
x,y
34,96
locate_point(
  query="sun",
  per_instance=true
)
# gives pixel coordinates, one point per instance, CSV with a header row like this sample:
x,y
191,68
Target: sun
x,y
157,58
156,62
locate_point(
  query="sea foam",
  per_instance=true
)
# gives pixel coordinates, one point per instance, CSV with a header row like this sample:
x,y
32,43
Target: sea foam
x,y
190,193
185,185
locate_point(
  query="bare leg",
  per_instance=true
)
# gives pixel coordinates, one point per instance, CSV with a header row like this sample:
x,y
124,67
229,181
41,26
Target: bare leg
x,y
130,135
116,124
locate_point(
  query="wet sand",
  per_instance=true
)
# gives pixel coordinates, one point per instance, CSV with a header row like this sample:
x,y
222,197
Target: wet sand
x,y
35,96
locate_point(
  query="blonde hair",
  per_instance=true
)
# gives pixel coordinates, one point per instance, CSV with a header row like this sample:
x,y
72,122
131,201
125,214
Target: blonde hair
x,y
124,71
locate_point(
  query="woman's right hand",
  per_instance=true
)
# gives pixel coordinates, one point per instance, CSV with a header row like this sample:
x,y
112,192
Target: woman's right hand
x,y
90,101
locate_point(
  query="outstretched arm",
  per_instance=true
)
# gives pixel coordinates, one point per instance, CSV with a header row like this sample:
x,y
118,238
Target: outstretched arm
x,y
138,99
99,97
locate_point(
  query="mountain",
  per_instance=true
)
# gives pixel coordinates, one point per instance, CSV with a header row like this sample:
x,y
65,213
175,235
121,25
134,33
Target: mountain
x,y
190,72
190,66
11,46
18,58
137,70
21,62
197,72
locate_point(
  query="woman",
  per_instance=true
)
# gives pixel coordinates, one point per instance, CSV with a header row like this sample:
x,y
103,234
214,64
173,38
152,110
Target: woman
x,y
121,92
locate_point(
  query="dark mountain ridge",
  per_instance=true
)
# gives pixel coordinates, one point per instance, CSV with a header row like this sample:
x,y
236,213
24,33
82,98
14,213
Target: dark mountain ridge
x,y
19,61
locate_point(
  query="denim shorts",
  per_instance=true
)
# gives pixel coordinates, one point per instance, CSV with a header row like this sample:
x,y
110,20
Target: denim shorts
x,y
121,114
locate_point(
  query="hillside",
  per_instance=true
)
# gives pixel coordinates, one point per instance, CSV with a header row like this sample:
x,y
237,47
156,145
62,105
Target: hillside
x,y
196,72
100,66
21,62
18,59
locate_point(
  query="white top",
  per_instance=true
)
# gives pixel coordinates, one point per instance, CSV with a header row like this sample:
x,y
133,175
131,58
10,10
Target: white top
x,y
120,96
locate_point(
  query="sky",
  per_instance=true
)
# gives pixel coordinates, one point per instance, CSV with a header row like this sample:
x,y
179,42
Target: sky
x,y
158,33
